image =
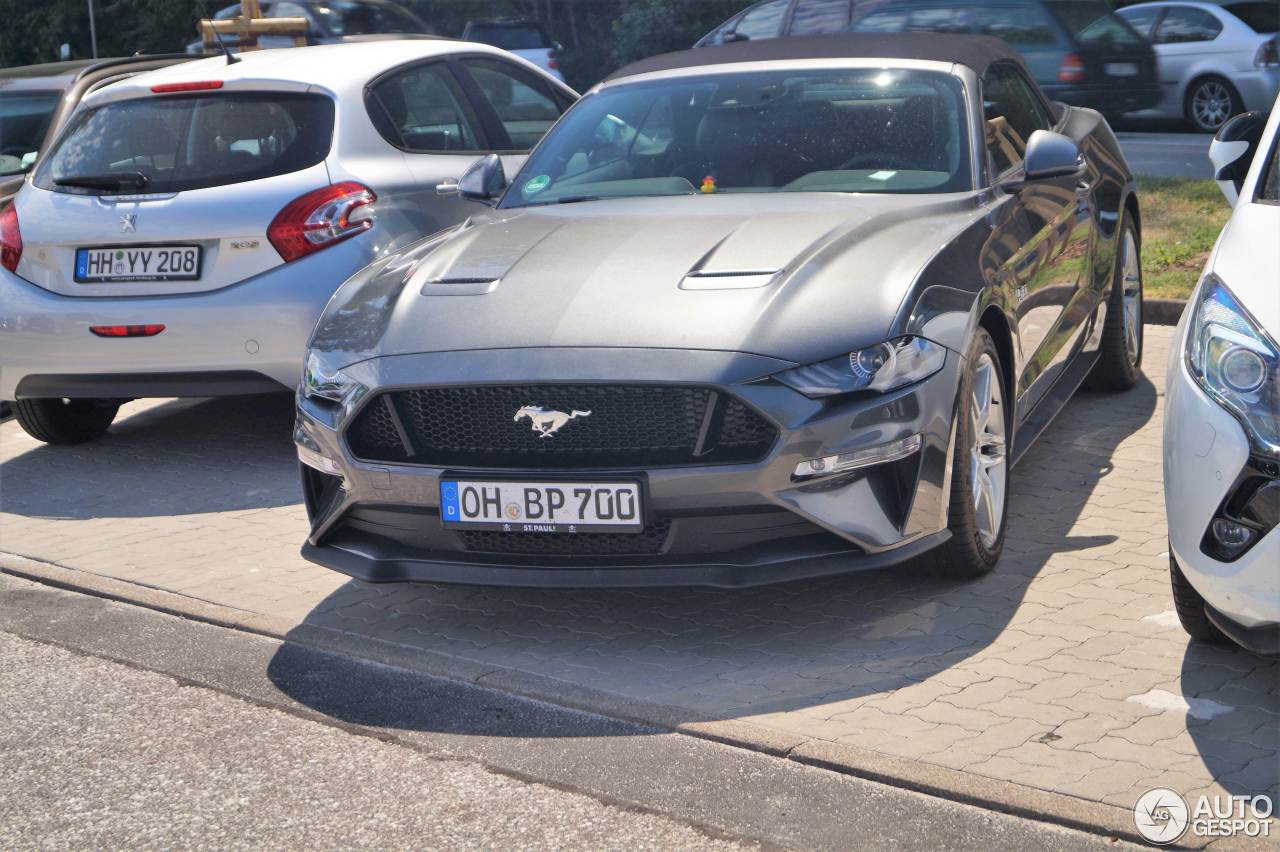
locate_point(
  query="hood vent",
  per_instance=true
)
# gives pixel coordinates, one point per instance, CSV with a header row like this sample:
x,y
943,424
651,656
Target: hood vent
x,y
728,279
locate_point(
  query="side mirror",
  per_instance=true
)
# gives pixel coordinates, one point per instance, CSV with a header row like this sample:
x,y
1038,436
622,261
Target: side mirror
x,y
484,181
1051,155
1232,150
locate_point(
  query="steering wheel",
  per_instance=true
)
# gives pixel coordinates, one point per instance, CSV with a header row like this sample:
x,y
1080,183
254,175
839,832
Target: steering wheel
x,y
879,159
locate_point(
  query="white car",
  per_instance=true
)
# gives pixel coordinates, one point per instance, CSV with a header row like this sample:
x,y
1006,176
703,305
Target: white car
x,y
1222,410
527,39
1215,60
182,235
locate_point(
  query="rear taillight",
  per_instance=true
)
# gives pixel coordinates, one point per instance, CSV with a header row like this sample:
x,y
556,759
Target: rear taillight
x,y
1268,55
149,330
552,61
1072,69
321,218
191,86
10,238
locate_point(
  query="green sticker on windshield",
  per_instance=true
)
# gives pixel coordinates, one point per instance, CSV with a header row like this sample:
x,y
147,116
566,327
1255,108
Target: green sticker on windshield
x,y
534,185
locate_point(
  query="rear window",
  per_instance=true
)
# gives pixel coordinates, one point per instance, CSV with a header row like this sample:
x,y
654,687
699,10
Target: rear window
x,y
1261,17
1094,24
508,38
189,142
24,119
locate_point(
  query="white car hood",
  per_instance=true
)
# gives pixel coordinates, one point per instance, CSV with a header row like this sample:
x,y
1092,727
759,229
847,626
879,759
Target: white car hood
x,y
1247,259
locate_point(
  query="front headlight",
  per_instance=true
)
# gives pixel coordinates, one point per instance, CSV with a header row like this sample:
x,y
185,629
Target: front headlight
x,y
1236,363
329,383
883,367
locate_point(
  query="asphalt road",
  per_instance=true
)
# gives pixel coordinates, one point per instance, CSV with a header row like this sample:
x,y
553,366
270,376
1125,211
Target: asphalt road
x,y
123,727
1167,154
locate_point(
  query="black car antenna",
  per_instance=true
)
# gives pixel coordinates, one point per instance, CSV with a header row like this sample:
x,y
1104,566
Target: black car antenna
x,y
231,58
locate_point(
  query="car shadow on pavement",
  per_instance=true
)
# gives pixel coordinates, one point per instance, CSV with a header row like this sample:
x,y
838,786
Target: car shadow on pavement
x,y
813,649
179,457
1233,716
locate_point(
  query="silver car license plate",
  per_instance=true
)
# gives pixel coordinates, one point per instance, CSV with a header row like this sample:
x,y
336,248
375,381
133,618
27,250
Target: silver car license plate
x,y
545,507
1121,69
137,263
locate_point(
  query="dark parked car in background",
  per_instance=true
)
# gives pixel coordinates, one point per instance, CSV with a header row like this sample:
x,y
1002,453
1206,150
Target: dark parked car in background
x,y
36,100
1079,51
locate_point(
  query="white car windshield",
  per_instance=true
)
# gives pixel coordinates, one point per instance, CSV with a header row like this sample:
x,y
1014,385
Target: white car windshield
x,y
832,130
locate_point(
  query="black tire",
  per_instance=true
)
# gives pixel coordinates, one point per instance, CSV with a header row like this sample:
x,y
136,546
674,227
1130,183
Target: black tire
x,y
1190,608
65,421
1222,90
966,555
1118,368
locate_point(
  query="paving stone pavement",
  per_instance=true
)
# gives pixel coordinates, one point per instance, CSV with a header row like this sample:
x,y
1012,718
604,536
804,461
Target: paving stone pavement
x,y
1063,670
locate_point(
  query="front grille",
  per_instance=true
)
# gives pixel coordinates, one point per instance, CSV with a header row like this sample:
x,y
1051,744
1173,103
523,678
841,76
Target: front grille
x,y
647,541
616,426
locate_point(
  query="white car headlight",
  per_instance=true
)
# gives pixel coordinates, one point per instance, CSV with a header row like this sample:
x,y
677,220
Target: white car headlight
x,y
329,383
882,367
1236,363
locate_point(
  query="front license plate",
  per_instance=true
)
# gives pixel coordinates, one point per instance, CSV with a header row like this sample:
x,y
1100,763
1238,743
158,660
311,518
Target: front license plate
x,y
549,507
1121,69
137,263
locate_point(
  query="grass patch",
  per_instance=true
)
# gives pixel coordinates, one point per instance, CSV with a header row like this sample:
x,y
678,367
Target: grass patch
x,y
1181,220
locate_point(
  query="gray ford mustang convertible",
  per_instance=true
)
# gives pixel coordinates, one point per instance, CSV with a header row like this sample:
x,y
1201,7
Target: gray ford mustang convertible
x,y
749,314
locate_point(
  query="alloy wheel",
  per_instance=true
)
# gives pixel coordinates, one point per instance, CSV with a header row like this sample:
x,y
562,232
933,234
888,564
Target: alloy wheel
x,y
1131,279
987,468
1211,104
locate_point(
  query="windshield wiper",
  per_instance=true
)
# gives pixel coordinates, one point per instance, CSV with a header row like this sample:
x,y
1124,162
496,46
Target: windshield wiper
x,y
108,181
568,199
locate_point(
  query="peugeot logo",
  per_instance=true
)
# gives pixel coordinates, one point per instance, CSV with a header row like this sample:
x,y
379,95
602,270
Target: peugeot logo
x,y
129,223
547,421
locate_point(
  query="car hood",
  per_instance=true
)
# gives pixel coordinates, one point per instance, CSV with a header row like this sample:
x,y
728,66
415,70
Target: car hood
x,y
1247,259
797,277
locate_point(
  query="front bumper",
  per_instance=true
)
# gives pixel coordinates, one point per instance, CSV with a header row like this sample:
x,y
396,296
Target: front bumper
x,y
719,525
248,337
1108,98
1205,453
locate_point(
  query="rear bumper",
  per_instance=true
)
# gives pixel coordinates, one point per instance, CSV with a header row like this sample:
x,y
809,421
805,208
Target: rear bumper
x,y
1258,88
248,337
1108,98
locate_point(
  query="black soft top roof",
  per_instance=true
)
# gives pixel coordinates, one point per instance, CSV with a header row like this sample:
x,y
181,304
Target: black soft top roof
x,y
976,52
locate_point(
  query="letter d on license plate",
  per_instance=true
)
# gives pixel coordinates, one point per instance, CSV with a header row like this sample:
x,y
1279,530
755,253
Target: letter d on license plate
x,y
550,507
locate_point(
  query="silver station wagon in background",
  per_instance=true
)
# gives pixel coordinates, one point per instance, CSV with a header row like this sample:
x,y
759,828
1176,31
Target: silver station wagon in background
x,y
1216,60
750,314
183,234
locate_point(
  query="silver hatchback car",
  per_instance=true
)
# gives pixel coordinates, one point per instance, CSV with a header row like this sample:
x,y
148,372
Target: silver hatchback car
x,y
185,231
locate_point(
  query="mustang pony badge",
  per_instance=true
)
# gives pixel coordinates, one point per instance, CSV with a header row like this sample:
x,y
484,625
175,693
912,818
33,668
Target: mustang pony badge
x,y
547,421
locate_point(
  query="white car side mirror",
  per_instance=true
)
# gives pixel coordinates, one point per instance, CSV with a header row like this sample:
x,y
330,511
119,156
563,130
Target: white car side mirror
x,y
1232,150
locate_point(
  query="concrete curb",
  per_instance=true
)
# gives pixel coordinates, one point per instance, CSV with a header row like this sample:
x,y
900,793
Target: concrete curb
x,y
1163,311
930,779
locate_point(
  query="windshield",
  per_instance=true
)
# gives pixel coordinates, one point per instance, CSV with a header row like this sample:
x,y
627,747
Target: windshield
x,y
172,144
1093,23
24,119
845,130
1261,16
508,37
352,17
